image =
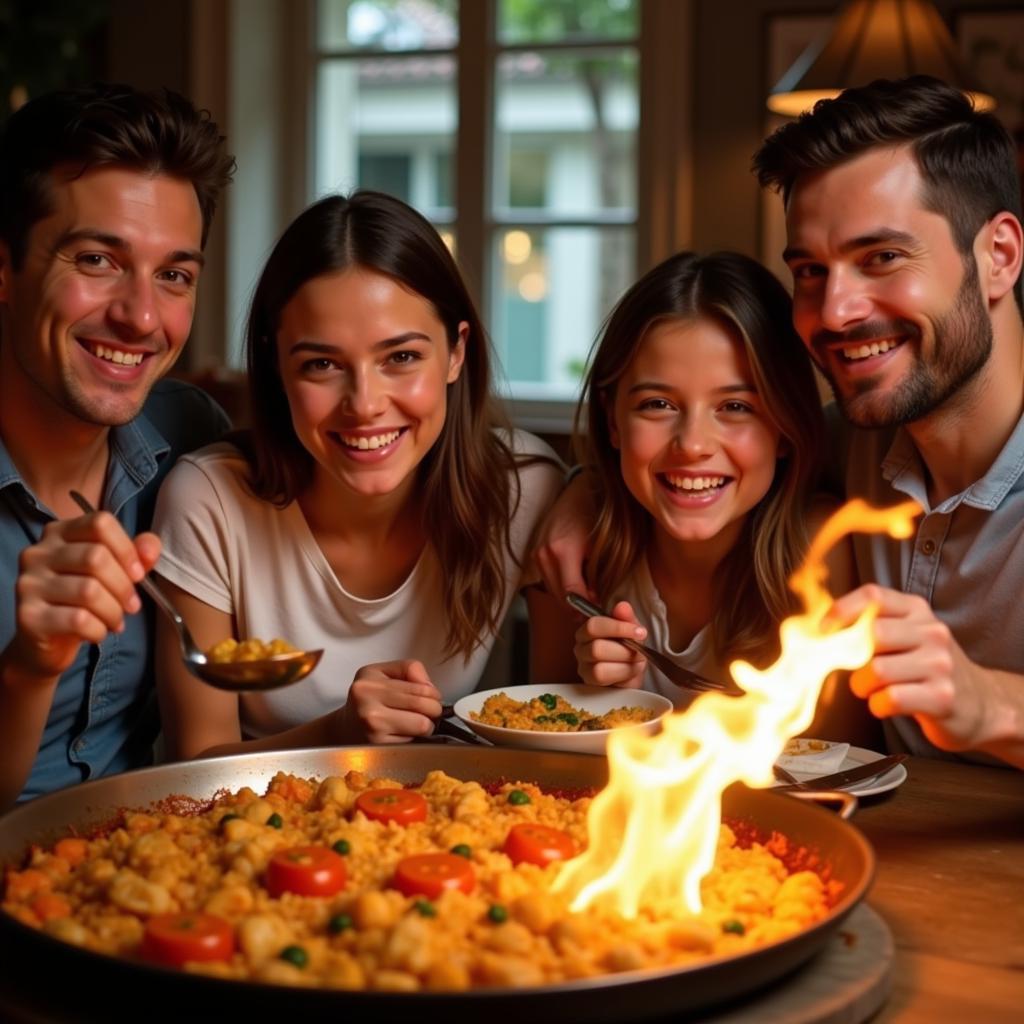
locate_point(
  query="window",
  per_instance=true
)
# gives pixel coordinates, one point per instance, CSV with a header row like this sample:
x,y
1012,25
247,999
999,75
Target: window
x,y
515,126
562,208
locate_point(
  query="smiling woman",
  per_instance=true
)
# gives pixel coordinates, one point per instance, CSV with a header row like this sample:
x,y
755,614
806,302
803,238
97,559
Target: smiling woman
x,y
366,365
379,509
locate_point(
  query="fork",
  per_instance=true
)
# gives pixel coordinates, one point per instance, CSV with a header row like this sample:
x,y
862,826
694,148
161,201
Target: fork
x,y
679,675
446,731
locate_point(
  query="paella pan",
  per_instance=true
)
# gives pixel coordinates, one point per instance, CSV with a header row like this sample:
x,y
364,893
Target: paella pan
x,y
95,987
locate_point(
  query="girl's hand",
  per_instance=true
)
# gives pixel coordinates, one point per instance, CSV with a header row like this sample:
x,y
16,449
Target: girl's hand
x,y
602,661
390,703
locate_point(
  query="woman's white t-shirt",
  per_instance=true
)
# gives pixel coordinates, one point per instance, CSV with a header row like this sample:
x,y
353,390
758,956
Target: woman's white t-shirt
x,y
261,564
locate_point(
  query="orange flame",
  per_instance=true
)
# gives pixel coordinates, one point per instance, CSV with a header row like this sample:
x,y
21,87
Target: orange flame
x,y
653,830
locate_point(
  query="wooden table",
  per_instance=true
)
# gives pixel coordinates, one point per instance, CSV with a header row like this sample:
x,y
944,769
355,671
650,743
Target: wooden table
x,y
950,885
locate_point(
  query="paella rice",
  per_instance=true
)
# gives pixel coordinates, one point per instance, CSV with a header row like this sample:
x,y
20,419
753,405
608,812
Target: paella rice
x,y
252,649
551,712
364,884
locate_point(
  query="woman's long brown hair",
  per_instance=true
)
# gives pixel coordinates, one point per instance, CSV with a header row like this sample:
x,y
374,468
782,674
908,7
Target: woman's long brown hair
x,y
468,483
751,588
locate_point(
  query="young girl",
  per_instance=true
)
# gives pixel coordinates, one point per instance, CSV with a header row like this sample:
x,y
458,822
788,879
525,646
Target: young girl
x,y
705,433
379,510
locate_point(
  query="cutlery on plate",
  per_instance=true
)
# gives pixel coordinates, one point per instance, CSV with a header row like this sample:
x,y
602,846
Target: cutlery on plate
x,y
859,773
679,675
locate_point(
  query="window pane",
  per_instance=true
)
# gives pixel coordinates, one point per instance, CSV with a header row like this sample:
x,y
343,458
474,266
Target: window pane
x,y
560,21
388,123
384,25
552,288
565,132
386,172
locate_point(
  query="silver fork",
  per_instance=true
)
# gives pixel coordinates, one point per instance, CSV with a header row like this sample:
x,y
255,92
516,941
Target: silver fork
x,y
679,675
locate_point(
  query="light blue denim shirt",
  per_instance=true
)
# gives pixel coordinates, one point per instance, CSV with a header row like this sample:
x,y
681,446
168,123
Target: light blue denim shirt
x,y
103,718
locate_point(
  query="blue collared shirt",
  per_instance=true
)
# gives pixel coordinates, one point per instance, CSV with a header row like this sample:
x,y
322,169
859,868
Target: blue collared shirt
x,y
103,718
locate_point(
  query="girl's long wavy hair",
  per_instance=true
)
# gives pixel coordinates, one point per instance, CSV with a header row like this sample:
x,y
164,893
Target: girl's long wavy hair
x,y
467,481
751,587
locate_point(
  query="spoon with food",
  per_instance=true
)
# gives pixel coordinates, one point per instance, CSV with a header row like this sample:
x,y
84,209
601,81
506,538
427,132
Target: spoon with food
x,y
230,665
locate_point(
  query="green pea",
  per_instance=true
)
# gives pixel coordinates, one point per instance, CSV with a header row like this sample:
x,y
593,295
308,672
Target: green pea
x,y
462,850
517,798
549,700
425,908
275,821
497,913
734,926
339,923
342,846
295,955
569,718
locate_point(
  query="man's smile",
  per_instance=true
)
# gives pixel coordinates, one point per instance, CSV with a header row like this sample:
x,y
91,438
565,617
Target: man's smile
x,y
862,350
122,357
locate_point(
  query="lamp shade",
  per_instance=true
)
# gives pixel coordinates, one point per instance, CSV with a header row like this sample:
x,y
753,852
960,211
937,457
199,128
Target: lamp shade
x,y
874,39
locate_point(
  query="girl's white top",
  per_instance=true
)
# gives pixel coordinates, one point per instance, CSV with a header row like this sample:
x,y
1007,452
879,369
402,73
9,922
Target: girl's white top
x,y
698,656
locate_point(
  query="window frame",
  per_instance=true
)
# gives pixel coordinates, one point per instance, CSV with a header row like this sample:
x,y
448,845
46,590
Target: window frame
x,y
664,161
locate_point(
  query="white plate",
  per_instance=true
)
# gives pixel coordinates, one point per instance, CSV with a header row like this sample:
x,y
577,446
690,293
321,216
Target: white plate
x,y
596,699
894,777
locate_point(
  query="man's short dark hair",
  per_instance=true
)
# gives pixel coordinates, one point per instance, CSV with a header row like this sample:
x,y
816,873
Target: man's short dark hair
x,y
966,158
99,125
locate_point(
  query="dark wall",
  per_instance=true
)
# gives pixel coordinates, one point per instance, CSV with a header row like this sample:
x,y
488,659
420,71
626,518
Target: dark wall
x,y
148,44
49,44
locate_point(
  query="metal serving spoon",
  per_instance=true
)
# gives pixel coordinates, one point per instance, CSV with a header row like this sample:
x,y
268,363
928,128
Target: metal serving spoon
x,y
264,674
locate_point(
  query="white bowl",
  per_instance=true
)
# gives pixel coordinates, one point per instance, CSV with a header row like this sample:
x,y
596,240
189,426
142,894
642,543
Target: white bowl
x,y
596,699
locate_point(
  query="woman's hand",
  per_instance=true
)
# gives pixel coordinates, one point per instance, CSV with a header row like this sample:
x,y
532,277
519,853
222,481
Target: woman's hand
x,y
390,703
604,662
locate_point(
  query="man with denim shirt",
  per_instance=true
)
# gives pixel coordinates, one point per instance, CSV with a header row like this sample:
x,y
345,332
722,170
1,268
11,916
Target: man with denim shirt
x,y
106,197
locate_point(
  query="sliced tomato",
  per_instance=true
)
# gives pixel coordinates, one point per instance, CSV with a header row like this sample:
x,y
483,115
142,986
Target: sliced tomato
x,y
400,805
306,871
176,939
538,844
430,874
